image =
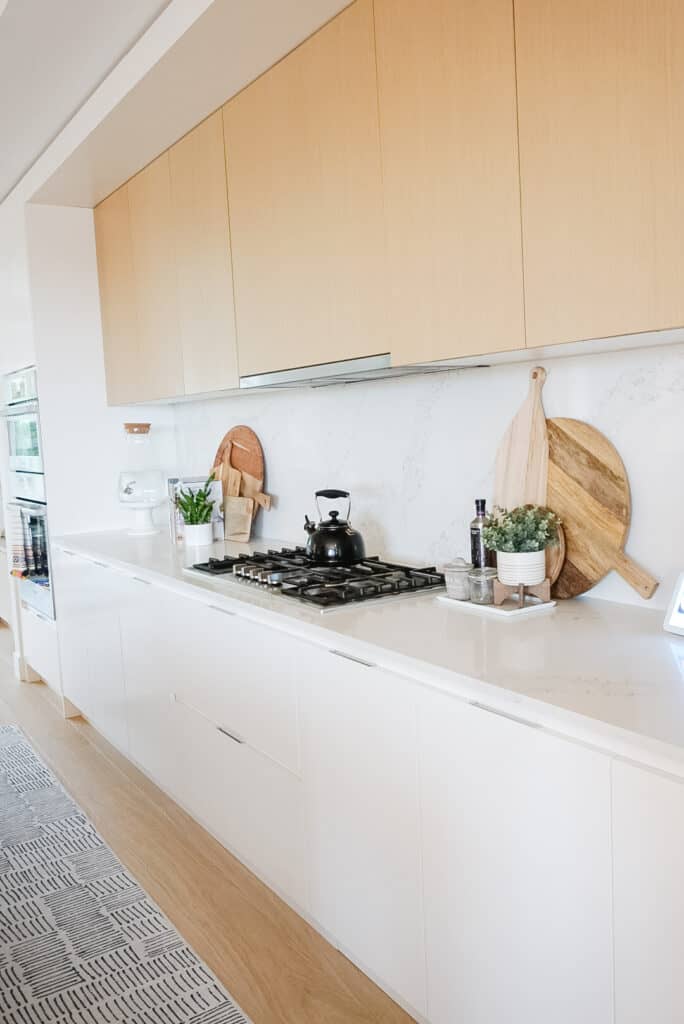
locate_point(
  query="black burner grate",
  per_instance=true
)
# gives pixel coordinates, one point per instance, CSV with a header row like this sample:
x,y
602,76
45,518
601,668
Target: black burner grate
x,y
325,586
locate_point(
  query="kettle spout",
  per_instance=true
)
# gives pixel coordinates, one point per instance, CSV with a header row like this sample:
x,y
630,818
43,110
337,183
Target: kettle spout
x,y
308,525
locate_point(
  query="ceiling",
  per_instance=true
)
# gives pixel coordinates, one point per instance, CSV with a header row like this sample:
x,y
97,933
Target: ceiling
x,y
226,46
53,54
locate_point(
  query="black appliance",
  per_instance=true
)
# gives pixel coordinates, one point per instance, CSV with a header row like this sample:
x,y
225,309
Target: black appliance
x,y
333,541
293,573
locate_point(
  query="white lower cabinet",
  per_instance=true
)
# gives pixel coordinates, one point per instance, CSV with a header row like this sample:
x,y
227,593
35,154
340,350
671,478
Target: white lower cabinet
x,y
5,588
460,857
89,596
40,646
517,869
197,679
362,812
648,841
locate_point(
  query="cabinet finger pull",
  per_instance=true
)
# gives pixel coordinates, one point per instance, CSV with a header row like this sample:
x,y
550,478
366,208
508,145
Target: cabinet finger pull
x,y
504,714
223,611
231,735
138,579
351,657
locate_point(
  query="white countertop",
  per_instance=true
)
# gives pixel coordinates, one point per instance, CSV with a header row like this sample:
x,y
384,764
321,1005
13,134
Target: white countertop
x,y
605,673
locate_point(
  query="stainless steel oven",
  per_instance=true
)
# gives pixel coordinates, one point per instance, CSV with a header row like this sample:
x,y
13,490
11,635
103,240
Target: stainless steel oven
x,y
28,549
23,435
22,417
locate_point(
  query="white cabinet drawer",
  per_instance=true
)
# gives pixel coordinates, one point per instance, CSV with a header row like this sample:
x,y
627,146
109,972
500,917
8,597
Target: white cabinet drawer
x,y
41,652
241,676
252,805
363,818
185,680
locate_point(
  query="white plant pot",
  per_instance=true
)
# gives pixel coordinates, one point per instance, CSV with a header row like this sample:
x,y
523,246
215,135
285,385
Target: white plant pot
x,y
199,536
515,567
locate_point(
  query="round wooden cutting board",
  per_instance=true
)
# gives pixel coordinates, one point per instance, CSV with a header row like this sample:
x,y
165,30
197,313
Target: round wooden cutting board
x,y
588,488
246,453
241,449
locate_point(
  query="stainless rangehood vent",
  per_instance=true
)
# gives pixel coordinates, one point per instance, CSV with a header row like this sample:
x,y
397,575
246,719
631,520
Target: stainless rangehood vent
x,y
346,371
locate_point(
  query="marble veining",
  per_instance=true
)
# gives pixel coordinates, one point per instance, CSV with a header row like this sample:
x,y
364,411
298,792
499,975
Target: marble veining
x,y
416,452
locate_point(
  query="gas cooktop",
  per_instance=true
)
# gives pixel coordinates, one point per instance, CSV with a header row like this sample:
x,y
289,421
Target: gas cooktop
x,y
290,572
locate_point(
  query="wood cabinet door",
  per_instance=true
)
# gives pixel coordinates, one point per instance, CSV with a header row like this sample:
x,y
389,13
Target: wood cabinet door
x,y
206,310
446,76
156,281
517,863
363,821
648,845
305,190
601,106
118,300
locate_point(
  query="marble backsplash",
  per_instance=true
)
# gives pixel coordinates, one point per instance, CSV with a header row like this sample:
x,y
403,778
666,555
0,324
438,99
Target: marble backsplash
x,y
417,451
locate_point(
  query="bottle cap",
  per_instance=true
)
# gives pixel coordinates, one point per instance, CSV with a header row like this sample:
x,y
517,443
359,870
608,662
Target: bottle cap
x,y
480,506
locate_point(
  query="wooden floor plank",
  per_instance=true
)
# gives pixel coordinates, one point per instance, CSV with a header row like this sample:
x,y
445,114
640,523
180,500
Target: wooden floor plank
x,y
271,961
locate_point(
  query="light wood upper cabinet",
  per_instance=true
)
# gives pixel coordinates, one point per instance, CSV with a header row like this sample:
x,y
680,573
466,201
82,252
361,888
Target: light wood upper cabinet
x,y
156,280
446,75
204,274
118,301
166,288
601,94
305,191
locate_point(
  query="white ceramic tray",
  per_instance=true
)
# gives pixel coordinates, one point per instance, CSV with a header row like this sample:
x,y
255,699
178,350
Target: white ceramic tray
x,y
508,610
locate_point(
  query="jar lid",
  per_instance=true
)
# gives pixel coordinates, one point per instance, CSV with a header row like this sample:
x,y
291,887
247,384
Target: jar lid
x,y
458,565
487,573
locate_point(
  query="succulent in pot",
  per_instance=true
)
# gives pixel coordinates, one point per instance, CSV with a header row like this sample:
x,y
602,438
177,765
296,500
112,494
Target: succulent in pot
x,y
197,509
520,538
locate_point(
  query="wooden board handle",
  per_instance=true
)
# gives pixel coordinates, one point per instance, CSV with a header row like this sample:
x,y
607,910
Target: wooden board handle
x,y
638,578
537,377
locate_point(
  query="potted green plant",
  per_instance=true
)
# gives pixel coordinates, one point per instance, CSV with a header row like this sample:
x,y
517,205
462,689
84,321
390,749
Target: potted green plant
x,y
520,538
197,509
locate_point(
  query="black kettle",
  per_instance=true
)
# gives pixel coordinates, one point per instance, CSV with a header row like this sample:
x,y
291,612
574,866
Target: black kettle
x,y
333,541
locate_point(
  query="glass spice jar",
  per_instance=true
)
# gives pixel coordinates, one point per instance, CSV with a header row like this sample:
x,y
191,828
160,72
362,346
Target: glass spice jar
x,y
456,576
482,585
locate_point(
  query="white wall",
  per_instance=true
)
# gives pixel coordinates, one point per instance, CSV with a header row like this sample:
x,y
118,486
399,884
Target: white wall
x,y
16,332
83,439
416,452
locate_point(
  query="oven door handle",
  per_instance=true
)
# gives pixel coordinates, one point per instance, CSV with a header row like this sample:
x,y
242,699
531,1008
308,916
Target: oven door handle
x,y
29,408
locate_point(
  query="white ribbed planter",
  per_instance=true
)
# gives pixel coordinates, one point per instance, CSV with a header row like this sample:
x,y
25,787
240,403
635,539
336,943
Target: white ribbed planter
x,y
514,567
198,536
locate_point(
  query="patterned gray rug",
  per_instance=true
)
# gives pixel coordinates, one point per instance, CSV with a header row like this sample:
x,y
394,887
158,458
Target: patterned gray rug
x,y
80,942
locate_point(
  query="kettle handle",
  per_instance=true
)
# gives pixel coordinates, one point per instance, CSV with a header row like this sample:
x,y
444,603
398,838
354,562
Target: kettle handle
x,y
333,493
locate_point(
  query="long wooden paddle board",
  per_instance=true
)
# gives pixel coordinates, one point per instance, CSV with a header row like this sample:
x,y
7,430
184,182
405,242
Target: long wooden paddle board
x,y
522,459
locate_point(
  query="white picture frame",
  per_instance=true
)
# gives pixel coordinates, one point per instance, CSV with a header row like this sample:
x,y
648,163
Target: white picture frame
x,y
193,483
674,619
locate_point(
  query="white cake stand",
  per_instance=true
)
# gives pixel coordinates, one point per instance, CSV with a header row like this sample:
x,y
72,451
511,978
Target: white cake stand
x,y
143,523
